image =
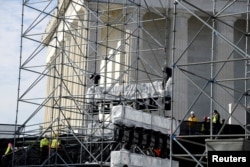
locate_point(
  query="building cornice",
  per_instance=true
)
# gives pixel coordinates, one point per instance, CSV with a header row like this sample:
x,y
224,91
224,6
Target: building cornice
x,y
55,22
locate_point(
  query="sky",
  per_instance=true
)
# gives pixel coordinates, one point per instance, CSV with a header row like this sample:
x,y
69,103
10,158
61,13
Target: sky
x,y
10,42
10,29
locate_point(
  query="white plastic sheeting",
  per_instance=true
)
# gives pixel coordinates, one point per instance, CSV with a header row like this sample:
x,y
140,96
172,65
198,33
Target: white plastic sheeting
x,y
128,116
96,129
131,91
124,157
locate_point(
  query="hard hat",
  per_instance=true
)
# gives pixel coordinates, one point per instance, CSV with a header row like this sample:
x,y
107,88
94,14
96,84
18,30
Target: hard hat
x,y
192,112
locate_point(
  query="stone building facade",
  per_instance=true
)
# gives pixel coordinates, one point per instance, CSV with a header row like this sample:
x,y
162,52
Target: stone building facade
x,y
128,42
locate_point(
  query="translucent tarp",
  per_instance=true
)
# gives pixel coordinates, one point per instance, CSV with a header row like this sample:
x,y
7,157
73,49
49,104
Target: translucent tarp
x,y
124,157
96,129
132,91
128,116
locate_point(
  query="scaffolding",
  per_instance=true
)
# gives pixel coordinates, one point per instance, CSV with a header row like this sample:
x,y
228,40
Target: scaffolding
x,y
101,76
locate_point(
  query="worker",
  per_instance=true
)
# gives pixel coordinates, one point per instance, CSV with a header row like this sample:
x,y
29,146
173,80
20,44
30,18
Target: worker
x,y
95,77
216,121
192,117
205,125
44,143
55,144
8,149
167,73
6,158
166,86
44,148
216,117
192,120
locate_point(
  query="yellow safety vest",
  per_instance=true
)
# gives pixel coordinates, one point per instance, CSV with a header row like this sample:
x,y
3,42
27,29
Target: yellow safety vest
x,y
44,142
55,143
215,118
192,121
9,148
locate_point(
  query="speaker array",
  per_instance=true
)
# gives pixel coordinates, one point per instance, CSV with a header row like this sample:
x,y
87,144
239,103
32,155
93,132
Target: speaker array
x,y
144,139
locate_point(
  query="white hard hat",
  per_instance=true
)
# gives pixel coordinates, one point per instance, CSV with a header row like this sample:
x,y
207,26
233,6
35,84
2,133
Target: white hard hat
x,y
192,112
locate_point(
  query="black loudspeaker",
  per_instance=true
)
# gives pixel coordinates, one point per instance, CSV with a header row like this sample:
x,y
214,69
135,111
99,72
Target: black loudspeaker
x,y
128,137
118,133
146,141
138,136
164,149
157,141
248,121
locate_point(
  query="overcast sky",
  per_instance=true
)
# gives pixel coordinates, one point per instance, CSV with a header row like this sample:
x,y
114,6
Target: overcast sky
x,y
10,37
10,24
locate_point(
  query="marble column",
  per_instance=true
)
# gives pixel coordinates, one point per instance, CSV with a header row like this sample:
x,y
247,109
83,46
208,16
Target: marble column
x,y
134,33
224,70
180,93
